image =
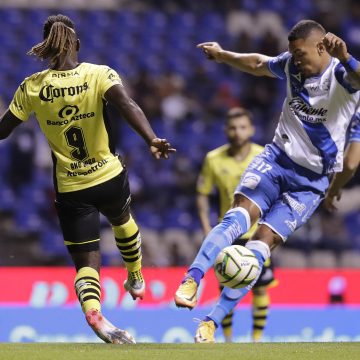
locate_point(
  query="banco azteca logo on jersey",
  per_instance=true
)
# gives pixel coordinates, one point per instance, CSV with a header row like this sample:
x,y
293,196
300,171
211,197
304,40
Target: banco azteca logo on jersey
x,y
68,114
68,111
50,92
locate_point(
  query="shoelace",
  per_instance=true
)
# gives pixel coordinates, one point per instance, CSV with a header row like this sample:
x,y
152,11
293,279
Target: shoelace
x,y
189,280
136,276
206,323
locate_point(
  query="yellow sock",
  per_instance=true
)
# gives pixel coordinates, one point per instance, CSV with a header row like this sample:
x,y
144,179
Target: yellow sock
x,y
128,241
87,287
227,326
260,311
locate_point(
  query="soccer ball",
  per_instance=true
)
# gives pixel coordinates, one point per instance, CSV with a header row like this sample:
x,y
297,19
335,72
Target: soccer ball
x,y
236,266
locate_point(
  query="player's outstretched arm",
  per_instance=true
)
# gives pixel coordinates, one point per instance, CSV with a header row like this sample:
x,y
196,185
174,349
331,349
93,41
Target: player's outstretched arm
x,y
254,64
351,163
8,123
337,48
131,112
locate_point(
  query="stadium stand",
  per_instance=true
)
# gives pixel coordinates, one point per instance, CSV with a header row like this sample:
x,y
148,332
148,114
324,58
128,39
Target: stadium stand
x,y
152,45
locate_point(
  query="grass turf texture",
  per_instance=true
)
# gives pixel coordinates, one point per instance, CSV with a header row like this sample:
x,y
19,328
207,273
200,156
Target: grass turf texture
x,y
264,351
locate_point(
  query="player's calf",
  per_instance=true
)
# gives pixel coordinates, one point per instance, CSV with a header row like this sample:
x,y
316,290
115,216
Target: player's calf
x,y
128,241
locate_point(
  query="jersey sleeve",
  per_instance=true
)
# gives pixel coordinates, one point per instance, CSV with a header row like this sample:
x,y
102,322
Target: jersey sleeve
x,y
354,132
20,105
341,76
108,78
205,182
277,65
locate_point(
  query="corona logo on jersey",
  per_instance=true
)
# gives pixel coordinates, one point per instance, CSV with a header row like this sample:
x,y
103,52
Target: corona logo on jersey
x,y
50,92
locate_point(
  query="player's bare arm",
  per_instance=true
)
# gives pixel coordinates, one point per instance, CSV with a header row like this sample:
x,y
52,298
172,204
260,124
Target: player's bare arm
x,y
127,107
351,163
337,48
203,208
8,123
254,64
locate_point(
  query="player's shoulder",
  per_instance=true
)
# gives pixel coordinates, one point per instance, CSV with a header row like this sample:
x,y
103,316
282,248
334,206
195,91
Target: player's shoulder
x,y
101,68
219,152
94,68
256,149
34,78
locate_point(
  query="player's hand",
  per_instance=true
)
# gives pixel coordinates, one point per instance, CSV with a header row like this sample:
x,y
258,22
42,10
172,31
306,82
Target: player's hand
x,y
329,201
161,148
211,49
336,47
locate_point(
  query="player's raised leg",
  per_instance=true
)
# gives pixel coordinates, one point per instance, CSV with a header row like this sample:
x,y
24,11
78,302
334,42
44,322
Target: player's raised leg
x,y
128,241
235,223
231,297
116,208
289,212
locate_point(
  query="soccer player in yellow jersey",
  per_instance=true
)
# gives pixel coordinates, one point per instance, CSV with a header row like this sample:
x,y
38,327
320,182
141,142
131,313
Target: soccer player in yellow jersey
x,y
222,170
69,101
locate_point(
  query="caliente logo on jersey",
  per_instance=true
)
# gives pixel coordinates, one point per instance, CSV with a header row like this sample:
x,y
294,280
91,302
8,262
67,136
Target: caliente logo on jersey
x,y
307,113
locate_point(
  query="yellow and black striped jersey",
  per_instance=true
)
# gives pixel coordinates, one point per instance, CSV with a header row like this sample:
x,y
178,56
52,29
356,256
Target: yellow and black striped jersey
x,y
70,108
223,172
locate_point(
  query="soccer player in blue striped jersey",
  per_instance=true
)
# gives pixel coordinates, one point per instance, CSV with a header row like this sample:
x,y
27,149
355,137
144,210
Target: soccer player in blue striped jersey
x,y
285,184
222,170
69,101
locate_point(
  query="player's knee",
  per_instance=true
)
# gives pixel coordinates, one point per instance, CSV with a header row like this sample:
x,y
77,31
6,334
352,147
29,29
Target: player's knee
x,y
268,236
240,201
237,221
121,219
86,259
85,248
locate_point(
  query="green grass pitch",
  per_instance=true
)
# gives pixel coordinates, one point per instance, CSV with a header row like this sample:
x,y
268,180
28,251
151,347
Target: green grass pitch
x,y
264,351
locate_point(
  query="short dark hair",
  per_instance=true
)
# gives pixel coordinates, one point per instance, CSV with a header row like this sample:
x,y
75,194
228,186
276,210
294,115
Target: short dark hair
x,y
236,112
303,28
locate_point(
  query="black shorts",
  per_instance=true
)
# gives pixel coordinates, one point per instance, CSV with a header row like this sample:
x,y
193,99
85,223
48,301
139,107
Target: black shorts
x,y
267,274
79,211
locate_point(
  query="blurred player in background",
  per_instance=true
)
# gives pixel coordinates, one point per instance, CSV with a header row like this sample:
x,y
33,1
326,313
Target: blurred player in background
x,y
222,170
351,164
285,184
69,101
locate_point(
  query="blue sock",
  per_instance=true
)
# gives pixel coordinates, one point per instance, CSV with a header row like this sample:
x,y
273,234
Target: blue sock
x,y
208,319
259,258
229,298
196,274
236,222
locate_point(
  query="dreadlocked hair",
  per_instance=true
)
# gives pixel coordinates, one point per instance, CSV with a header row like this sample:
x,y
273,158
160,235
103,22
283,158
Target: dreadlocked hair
x,y
59,36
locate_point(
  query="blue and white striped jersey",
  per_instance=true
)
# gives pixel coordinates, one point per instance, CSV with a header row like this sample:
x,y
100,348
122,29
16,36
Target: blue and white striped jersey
x,y
315,114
